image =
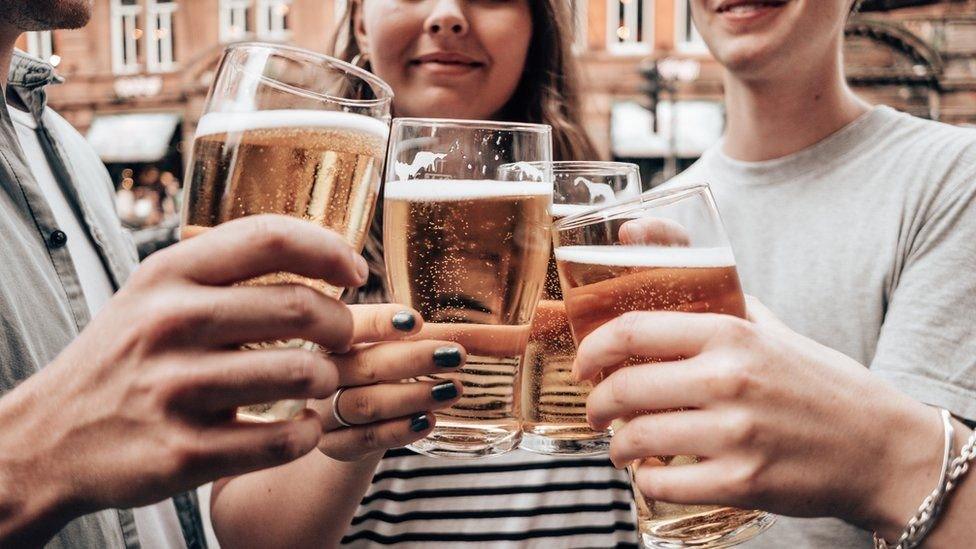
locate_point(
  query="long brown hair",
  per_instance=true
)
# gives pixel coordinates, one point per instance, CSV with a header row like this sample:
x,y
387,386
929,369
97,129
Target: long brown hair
x,y
549,93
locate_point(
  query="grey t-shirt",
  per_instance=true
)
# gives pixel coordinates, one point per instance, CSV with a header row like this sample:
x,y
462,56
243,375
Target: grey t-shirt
x,y
866,243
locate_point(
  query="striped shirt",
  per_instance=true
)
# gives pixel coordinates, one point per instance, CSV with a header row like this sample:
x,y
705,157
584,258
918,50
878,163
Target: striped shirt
x,y
519,499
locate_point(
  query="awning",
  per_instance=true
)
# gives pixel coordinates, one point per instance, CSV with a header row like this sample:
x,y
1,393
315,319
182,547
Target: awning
x,y
140,137
698,125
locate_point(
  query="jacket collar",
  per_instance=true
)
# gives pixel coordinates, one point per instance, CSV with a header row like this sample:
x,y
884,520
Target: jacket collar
x,y
27,78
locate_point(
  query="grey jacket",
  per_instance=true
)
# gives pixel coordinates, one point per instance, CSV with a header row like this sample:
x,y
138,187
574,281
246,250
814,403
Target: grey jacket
x,y
42,307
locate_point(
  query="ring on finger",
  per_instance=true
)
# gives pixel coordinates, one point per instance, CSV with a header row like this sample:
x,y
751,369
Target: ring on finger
x,y
335,409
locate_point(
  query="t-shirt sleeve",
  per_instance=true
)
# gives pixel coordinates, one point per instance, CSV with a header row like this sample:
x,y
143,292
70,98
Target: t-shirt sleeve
x,y
927,345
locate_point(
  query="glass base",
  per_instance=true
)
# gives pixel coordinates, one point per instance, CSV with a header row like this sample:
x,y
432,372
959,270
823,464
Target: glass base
x,y
564,442
281,410
464,441
699,531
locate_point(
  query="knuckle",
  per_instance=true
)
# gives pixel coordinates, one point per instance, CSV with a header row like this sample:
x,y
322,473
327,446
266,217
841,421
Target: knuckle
x,y
628,328
368,370
744,483
286,446
369,438
296,305
732,378
365,409
621,383
301,371
742,430
154,268
737,331
269,234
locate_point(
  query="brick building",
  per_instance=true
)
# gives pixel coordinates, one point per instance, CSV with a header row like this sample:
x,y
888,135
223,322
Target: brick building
x,y
155,58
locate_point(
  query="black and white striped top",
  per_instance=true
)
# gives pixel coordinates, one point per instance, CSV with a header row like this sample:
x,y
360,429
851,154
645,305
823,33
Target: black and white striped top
x,y
515,500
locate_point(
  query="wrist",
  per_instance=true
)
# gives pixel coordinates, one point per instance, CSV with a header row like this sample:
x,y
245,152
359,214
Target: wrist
x,y
907,470
34,504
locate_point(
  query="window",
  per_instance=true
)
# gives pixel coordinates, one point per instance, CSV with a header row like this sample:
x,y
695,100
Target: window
x,y
126,35
272,19
40,44
687,38
580,24
245,19
630,26
160,56
236,20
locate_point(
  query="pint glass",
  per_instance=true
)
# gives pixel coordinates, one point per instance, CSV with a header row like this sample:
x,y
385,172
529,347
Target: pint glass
x,y
469,251
665,251
553,406
291,132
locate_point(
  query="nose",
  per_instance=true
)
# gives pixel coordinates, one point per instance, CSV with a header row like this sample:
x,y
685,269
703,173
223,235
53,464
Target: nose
x,y
447,19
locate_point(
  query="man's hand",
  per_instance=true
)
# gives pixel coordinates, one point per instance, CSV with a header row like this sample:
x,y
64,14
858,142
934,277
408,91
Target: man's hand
x,y
141,405
783,424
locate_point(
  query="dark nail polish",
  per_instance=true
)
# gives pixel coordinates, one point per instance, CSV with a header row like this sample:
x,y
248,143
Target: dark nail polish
x,y
447,357
419,423
444,392
404,321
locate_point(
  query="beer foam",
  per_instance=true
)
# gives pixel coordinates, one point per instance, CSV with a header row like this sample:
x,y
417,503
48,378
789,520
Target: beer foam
x,y
647,256
443,190
232,122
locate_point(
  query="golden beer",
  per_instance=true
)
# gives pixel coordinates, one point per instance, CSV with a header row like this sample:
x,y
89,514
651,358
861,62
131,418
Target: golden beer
x,y
553,404
320,166
603,282
470,256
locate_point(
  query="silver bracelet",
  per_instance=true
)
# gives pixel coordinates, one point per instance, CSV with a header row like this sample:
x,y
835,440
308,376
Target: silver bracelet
x,y
928,513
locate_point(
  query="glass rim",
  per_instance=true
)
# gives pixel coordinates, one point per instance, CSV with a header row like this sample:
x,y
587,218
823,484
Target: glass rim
x,y
584,166
375,82
525,127
650,199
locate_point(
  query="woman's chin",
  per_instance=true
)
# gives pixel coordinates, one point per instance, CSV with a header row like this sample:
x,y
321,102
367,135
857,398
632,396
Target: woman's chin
x,y
447,105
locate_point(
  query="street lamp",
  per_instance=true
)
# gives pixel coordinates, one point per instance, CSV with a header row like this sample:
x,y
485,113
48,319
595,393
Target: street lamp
x,y
663,75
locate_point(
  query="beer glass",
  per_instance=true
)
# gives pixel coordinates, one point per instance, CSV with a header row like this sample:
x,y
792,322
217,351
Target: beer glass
x,y
469,251
291,132
553,406
664,251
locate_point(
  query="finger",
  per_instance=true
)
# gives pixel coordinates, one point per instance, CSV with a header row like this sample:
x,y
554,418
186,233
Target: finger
x,y
262,244
353,443
397,360
480,339
696,483
249,314
384,322
761,315
241,447
653,231
228,379
652,336
648,387
687,432
376,403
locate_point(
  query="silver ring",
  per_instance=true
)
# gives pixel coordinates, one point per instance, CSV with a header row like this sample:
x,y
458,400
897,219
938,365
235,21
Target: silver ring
x,y
335,409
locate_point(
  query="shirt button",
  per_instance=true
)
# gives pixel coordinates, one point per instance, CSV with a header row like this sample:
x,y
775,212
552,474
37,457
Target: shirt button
x,y
57,239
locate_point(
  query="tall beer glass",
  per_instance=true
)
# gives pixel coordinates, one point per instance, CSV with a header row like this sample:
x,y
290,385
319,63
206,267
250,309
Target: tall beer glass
x,y
469,251
666,251
553,405
291,132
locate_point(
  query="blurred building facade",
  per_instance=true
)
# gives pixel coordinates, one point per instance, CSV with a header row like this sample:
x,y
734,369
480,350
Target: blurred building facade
x,y
137,75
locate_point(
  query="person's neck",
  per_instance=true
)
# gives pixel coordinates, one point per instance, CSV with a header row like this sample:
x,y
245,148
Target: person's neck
x,y
774,117
8,39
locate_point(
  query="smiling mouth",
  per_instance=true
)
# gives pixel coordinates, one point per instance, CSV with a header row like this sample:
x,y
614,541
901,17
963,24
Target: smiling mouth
x,y
747,8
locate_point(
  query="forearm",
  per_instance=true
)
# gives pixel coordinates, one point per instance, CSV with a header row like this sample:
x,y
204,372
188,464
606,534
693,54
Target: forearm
x,y
33,505
316,494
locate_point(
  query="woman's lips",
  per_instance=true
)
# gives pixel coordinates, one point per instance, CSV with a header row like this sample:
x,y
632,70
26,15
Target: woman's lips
x,y
749,11
446,63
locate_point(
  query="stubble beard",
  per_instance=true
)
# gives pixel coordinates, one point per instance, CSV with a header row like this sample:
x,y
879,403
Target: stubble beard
x,y
39,15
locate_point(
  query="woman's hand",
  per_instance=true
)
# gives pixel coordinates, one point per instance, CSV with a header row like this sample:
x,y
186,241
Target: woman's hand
x,y
782,423
384,411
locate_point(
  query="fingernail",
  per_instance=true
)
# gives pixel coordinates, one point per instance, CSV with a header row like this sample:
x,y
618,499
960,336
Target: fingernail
x,y
444,391
419,423
362,268
404,321
447,357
